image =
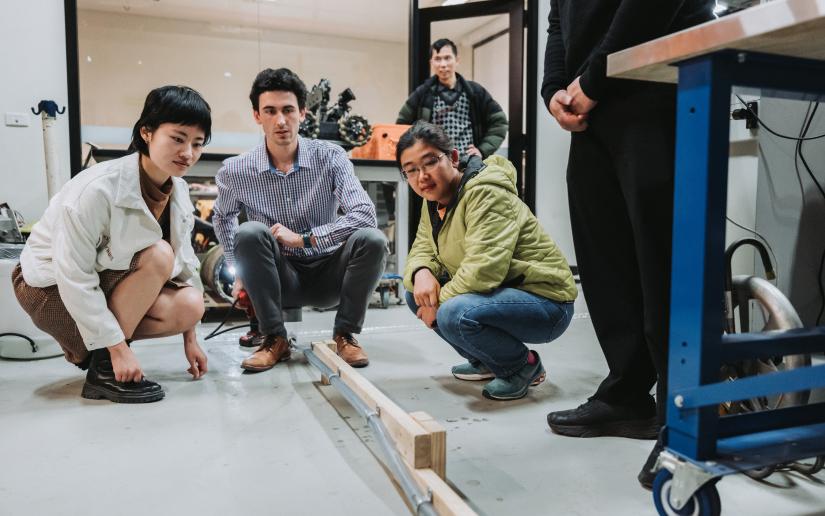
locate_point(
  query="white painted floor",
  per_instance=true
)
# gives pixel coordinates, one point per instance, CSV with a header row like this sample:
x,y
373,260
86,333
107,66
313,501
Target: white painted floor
x,y
280,443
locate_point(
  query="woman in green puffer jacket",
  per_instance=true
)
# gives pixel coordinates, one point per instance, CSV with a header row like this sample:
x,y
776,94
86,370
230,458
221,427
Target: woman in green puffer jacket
x,y
482,272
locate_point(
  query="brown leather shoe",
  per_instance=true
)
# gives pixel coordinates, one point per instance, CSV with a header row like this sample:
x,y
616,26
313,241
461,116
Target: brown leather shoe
x,y
349,349
274,349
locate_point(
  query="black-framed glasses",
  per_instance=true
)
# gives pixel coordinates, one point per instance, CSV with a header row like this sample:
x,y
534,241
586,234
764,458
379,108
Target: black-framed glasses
x,y
428,165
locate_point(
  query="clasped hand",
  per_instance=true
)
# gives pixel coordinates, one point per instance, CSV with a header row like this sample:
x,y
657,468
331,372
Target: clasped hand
x,y
571,107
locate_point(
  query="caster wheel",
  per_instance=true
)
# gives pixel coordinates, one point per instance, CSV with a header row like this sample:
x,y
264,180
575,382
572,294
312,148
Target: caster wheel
x,y
385,298
705,501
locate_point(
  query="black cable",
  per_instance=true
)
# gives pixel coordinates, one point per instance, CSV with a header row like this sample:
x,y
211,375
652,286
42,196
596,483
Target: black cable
x,y
763,239
786,137
32,343
796,154
215,332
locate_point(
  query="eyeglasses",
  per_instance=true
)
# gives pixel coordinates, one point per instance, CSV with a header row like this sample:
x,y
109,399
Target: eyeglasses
x,y
427,166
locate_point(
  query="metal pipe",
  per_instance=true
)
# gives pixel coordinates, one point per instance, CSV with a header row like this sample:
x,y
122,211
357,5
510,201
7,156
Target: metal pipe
x,y
422,504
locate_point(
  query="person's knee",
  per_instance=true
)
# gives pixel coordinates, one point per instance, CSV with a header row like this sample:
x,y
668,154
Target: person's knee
x,y
158,258
189,309
372,241
449,315
250,234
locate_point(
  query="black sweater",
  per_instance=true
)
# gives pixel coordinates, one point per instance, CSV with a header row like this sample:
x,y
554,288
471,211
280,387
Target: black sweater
x,y
583,33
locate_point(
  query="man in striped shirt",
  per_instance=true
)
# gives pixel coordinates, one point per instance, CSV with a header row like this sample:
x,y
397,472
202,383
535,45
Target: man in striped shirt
x,y
295,249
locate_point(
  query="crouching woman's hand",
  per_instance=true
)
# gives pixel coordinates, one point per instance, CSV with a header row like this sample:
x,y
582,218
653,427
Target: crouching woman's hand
x,y
426,289
428,316
125,364
194,355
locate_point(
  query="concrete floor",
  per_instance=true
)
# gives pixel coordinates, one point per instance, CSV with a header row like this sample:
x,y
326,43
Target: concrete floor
x,y
280,443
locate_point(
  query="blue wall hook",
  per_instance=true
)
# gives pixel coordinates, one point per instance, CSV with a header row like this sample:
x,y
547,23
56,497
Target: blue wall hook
x,y
50,107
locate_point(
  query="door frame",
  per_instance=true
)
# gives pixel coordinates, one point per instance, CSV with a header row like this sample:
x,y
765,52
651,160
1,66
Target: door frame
x,y
521,100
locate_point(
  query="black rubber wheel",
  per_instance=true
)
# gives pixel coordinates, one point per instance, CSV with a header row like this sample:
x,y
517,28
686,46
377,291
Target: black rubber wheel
x,y
705,501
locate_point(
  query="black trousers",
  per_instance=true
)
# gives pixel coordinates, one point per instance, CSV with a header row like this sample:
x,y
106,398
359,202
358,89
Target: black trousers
x,y
347,277
620,187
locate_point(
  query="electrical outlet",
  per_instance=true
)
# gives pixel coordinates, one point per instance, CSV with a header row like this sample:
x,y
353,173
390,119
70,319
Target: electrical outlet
x,y
17,120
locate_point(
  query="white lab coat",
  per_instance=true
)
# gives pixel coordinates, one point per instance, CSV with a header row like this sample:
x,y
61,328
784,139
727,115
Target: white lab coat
x,y
99,221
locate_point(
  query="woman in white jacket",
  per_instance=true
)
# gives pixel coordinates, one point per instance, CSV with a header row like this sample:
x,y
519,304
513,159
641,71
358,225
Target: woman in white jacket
x,y
111,260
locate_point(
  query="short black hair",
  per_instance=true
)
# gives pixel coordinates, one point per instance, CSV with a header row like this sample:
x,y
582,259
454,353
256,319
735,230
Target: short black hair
x,y
441,43
430,134
282,79
171,105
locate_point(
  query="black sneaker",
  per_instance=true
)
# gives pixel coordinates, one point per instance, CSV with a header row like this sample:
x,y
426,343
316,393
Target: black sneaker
x,y
101,384
596,418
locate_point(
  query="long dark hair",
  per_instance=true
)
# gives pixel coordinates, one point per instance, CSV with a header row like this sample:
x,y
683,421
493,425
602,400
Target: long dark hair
x,y
171,105
426,132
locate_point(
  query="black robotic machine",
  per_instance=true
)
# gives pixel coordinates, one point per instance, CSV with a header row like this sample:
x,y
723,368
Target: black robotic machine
x,y
334,123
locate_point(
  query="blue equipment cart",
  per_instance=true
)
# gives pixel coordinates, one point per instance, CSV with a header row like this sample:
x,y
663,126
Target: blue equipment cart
x,y
702,445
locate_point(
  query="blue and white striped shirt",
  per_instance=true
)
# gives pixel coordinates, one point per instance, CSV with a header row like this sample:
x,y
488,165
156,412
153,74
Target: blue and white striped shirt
x,y
305,199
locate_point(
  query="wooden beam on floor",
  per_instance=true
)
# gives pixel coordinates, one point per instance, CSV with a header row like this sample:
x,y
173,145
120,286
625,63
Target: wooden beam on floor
x,y
446,502
438,442
419,438
412,440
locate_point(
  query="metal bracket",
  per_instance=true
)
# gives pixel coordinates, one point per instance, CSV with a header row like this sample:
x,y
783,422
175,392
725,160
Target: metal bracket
x,y
428,498
687,478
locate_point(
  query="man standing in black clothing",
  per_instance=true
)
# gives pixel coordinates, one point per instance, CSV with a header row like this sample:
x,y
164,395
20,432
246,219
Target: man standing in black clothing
x,y
620,187
464,109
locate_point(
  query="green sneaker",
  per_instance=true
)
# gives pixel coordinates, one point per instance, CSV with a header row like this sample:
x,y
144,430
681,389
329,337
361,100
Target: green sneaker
x,y
471,372
515,386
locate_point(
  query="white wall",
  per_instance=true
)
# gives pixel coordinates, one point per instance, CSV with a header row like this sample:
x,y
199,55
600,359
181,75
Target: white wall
x,y
200,54
743,172
489,70
33,64
552,147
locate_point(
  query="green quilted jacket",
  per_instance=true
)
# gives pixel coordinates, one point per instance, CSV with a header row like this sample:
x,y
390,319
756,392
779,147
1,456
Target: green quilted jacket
x,y
488,239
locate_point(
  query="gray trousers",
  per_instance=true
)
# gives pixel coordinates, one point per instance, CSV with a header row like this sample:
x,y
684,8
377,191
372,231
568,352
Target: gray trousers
x,y
347,277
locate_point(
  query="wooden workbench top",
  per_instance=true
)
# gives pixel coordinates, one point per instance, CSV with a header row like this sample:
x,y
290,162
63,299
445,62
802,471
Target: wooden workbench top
x,y
785,27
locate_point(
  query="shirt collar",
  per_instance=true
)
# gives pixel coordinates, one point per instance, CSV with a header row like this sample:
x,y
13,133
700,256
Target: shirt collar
x,y
302,159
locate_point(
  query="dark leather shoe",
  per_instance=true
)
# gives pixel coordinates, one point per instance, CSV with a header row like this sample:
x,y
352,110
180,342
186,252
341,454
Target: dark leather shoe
x,y
274,349
647,475
596,418
101,384
350,350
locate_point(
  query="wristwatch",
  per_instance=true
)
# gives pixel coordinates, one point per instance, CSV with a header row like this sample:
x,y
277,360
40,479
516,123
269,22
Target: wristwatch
x,y
307,239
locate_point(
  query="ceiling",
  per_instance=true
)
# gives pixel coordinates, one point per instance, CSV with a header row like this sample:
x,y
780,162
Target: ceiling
x,y
384,20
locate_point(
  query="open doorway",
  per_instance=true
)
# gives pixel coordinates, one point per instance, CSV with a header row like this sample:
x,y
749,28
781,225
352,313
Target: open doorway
x,y
495,39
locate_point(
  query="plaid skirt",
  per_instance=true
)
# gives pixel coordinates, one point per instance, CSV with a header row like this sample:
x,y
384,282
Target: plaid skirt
x,y
49,313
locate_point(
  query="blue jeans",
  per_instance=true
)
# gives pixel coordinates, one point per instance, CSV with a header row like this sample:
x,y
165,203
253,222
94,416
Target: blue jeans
x,y
491,329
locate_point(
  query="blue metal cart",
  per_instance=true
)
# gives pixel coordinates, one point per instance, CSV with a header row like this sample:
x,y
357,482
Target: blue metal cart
x,y
702,445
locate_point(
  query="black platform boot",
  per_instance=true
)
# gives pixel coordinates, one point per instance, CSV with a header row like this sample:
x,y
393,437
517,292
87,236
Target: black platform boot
x,y
101,384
